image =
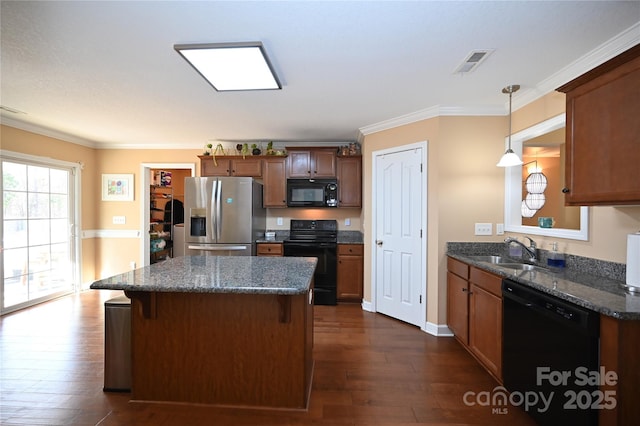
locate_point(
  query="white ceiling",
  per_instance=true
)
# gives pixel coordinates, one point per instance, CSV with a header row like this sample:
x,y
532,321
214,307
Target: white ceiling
x,y
106,74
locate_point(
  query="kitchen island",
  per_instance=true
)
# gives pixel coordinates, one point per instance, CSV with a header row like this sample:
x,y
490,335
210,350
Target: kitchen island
x,y
234,331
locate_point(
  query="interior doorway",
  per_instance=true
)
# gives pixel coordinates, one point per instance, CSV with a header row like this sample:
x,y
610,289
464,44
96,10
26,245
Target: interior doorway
x,y
399,225
156,194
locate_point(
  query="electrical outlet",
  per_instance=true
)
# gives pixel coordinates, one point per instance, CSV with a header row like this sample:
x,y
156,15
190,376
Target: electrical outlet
x,y
347,222
279,221
499,228
484,229
119,220
132,265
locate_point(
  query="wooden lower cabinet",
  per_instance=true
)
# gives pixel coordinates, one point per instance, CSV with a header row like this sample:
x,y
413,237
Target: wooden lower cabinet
x,y
619,343
350,273
269,249
458,306
474,313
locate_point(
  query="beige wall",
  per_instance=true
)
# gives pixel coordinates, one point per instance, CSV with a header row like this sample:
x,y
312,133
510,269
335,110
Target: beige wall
x,y
466,187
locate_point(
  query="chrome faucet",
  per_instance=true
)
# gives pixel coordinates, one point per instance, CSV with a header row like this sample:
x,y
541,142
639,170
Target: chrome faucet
x,y
532,249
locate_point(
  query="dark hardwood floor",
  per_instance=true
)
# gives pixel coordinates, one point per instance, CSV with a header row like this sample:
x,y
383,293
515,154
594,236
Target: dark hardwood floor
x,y
369,369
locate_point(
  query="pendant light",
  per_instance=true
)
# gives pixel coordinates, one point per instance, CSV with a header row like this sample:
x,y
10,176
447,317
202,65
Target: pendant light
x,y
510,158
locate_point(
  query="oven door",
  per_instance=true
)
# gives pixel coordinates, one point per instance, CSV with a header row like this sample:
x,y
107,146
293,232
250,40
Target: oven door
x,y
325,275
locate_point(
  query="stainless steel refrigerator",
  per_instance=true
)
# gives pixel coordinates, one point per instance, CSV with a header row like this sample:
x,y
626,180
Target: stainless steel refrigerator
x,y
223,216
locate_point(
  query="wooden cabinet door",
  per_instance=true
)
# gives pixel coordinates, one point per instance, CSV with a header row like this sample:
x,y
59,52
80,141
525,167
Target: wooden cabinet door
x,y
269,249
208,168
349,173
312,163
350,273
601,166
485,328
251,167
323,163
275,182
299,164
458,306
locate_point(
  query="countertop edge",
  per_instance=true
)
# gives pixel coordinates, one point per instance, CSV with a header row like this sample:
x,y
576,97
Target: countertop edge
x,y
559,294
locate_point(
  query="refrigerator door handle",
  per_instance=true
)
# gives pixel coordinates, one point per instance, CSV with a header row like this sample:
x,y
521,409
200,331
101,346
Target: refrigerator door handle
x,y
219,212
214,222
217,247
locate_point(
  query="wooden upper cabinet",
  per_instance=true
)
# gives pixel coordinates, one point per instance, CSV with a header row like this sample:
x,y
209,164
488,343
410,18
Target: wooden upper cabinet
x,y
221,167
251,167
230,166
275,182
349,173
312,162
603,133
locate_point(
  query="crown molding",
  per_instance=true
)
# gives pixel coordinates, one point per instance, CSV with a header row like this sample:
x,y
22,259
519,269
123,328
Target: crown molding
x,y
611,48
45,131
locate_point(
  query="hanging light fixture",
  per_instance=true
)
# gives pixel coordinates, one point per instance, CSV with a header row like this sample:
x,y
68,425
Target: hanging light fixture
x,y
535,201
510,158
526,211
536,182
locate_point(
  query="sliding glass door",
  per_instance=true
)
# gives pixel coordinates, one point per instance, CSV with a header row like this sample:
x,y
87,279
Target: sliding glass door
x,y
38,252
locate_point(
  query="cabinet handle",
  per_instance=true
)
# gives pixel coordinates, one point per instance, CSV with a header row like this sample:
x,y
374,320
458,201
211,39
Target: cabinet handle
x,y
565,190
464,290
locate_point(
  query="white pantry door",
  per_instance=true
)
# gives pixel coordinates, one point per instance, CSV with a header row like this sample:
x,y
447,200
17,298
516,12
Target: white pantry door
x,y
399,254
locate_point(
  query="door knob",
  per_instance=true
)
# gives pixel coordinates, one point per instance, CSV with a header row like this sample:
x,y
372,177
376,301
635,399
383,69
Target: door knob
x,y
379,243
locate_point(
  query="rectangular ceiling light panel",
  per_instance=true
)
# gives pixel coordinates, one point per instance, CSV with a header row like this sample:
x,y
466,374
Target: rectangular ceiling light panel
x,y
231,66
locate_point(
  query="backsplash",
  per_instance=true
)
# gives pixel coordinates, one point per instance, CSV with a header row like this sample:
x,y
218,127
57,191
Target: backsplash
x,y
587,265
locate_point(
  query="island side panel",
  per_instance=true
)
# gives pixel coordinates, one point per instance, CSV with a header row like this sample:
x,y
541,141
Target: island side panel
x,y
222,349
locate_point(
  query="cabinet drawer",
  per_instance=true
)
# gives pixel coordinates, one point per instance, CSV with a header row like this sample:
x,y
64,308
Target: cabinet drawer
x,y
350,249
461,269
269,249
487,281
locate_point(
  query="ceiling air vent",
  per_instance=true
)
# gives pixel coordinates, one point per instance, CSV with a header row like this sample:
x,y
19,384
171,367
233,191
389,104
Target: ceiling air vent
x,y
472,61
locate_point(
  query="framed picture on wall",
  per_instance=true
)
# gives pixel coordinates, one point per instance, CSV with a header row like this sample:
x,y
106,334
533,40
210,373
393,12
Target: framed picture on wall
x,y
117,187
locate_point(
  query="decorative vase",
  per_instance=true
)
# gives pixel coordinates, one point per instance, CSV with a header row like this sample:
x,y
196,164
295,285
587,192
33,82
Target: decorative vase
x,y
256,151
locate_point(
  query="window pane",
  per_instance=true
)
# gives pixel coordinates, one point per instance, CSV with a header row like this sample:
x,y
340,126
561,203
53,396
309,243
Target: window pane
x,y
39,232
39,259
60,262
15,205
14,176
60,231
59,181
15,234
38,179
38,206
59,206
15,262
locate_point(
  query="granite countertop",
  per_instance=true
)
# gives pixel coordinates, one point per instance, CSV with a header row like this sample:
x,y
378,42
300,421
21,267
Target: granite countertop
x,y
218,274
601,294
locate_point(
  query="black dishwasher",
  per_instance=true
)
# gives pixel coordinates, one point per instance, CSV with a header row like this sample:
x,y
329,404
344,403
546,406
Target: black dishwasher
x,y
550,356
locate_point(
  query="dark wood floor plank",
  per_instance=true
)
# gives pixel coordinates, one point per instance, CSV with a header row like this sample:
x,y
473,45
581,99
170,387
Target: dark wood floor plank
x,y
369,370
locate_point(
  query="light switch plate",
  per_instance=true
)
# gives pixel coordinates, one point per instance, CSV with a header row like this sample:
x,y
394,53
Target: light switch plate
x,y
484,229
279,221
119,220
499,228
347,222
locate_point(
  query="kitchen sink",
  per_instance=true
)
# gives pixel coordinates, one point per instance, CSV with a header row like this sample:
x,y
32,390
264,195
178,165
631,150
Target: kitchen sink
x,y
491,259
522,267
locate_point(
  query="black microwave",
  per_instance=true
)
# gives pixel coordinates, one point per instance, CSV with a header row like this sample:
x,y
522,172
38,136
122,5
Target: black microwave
x,y
312,193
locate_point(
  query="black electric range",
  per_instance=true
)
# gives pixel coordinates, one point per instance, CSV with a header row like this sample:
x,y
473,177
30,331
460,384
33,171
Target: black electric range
x,y
316,238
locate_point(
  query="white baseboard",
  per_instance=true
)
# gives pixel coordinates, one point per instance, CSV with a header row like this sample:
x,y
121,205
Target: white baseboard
x,y
367,306
438,330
